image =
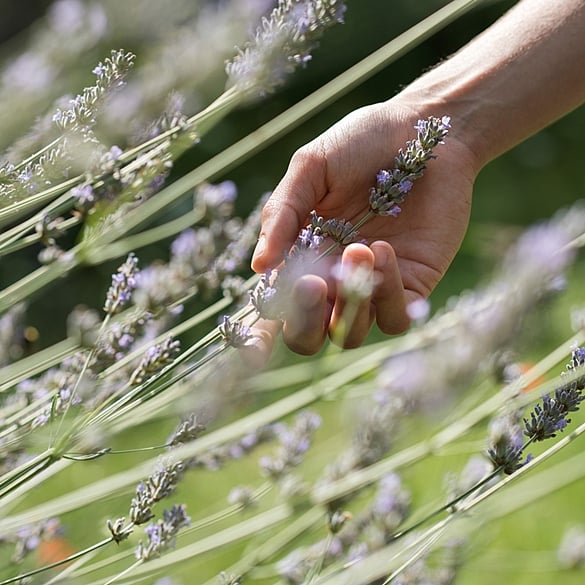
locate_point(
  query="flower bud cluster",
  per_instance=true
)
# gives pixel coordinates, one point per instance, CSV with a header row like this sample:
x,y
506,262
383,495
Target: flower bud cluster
x,y
28,538
235,333
158,486
552,414
155,359
393,185
188,430
282,42
117,341
506,444
162,534
203,259
110,74
123,283
294,443
213,459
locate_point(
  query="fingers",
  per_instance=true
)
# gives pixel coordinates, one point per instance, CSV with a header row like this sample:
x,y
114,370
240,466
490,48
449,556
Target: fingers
x,y
389,296
369,286
257,354
353,312
286,211
376,292
305,328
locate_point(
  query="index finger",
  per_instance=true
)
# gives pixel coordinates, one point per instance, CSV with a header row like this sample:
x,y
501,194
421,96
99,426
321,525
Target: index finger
x,y
286,212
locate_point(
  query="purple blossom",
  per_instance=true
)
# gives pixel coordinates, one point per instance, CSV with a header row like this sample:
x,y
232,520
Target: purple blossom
x,y
84,196
123,283
282,42
264,298
235,333
393,185
155,359
162,535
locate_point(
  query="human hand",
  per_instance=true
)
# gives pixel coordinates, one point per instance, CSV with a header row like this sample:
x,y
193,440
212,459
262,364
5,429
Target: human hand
x,y
408,254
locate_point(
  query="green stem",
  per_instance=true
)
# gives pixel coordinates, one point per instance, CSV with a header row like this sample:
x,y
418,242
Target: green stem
x,y
21,474
12,213
124,572
56,564
361,478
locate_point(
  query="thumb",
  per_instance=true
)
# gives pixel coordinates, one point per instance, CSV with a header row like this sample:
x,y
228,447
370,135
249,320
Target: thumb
x,y
286,212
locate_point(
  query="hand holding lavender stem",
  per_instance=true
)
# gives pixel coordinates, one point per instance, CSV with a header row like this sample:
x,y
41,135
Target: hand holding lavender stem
x,y
306,275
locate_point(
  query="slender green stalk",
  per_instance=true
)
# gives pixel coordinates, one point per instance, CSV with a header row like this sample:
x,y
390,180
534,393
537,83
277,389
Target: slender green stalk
x,y
244,529
36,363
125,572
12,213
361,478
21,474
70,558
134,242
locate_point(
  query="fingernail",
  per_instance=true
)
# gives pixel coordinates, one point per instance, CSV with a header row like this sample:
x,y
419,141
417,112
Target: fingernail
x,y
380,257
260,247
309,297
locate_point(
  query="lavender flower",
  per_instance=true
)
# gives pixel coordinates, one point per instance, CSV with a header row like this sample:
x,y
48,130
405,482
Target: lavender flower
x,y
84,197
162,534
110,74
218,200
123,283
235,333
155,359
118,529
552,415
282,42
56,385
158,486
187,431
28,538
392,186
265,299
294,443
506,444
391,504
213,459
117,341
340,231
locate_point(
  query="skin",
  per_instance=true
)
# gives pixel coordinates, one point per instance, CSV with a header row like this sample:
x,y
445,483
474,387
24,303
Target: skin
x,y
521,74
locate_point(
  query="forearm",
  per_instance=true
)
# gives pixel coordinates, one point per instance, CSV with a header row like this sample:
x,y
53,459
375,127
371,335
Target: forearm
x,y
521,74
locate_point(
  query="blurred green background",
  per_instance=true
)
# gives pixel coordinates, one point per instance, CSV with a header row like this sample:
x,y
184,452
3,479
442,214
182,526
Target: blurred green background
x,y
529,183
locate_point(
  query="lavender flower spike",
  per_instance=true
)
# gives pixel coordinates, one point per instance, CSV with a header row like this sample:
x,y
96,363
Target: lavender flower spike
x,y
155,359
162,534
123,283
235,333
282,42
392,186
